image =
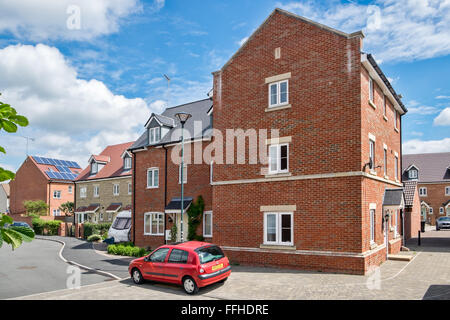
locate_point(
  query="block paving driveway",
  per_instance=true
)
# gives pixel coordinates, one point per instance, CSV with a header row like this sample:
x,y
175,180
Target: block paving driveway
x,y
427,276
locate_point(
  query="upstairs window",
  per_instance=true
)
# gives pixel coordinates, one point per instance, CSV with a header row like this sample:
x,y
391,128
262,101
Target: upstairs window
x,y
278,93
385,162
127,163
83,192
371,90
96,191
152,178
395,119
278,158
396,167
57,194
384,105
371,154
154,135
116,190
447,191
70,189
423,192
94,167
413,174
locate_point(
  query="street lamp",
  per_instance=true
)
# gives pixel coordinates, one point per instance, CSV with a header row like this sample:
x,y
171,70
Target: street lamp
x,y
182,117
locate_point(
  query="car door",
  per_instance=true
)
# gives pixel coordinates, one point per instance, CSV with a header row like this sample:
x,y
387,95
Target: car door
x,y
154,266
176,265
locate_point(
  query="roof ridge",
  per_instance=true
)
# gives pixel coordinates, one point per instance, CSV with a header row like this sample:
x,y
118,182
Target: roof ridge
x,y
181,105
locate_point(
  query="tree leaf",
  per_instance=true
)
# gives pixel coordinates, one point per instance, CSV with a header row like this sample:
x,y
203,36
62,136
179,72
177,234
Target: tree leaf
x,y
8,125
12,237
20,120
27,234
6,219
6,175
2,149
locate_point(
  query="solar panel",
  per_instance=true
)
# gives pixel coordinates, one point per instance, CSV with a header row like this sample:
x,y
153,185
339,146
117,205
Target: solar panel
x,y
37,159
65,163
66,176
45,161
59,162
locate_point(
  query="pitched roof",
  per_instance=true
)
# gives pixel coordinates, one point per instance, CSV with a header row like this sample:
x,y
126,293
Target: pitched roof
x,y
393,197
56,170
409,191
198,110
5,187
112,168
433,167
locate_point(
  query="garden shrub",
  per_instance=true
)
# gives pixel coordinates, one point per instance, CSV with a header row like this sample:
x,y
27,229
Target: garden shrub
x,y
94,237
126,250
45,227
94,228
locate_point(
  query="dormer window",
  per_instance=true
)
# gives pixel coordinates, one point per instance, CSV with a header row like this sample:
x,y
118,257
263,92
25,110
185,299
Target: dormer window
x,y
413,174
127,163
94,167
154,135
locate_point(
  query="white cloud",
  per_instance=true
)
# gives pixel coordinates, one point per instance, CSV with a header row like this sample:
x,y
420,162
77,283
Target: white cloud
x,y
69,116
443,119
430,146
50,19
443,97
423,110
395,29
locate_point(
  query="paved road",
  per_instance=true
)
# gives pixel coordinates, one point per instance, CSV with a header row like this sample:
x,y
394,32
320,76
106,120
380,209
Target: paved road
x,y
36,267
81,251
427,276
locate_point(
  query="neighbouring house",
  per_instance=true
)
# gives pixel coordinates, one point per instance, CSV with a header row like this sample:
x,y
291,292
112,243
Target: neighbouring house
x,y
333,171
4,198
103,188
412,209
326,194
157,178
431,172
46,179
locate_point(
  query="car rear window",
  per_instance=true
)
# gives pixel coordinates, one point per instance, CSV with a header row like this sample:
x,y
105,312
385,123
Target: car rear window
x,y
210,253
178,256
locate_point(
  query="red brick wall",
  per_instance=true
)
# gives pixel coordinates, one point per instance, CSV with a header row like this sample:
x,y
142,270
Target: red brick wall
x,y
65,195
152,200
435,199
412,217
29,184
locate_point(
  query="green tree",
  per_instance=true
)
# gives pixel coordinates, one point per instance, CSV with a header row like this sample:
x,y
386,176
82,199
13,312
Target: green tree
x,y
67,208
35,208
9,120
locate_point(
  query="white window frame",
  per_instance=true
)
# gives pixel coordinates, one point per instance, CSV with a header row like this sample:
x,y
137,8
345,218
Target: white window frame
x,y
116,186
278,229
152,214
130,189
410,176
70,188
184,174
385,152
447,191
56,194
81,217
372,225
152,135
396,167
127,163
278,158
83,192
384,105
371,90
441,210
431,210
278,85
204,224
101,216
56,212
372,149
423,192
96,191
153,185
395,118
92,167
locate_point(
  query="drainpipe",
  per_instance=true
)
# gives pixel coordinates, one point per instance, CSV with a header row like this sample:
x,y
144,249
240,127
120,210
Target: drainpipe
x,y
74,202
165,191
49,192
402,212
134,197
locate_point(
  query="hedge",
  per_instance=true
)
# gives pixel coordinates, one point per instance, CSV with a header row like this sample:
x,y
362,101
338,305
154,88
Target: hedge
x,y
127,250
94,237
94,228
47,227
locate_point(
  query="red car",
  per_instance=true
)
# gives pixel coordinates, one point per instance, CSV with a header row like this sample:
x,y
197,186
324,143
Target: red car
x,y
193,264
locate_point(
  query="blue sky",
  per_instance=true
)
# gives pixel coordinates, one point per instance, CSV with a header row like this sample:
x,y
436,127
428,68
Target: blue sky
x,y
85,88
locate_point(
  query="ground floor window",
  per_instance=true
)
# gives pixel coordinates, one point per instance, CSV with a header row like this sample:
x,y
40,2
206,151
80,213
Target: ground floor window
x,y
278,228
56,212
207,224
154,224
372,225
81,217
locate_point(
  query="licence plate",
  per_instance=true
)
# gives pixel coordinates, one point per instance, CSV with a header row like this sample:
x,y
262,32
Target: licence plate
x,y
219,266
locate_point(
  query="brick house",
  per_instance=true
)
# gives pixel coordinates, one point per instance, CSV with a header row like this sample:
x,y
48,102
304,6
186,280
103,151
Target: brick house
x,y
103,188
320,205
46,179
157,178
431,172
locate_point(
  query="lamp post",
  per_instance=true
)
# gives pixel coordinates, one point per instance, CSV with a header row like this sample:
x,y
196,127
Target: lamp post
x,y
182,117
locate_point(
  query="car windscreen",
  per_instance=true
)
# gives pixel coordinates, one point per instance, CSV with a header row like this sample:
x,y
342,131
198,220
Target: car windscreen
x,y
121,223
444,219
210,253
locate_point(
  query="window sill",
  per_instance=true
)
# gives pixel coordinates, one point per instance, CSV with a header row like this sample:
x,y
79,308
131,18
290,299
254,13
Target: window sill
x,y
385,118
154,235
372,172
372,104
278,175
270,109
373,245
386,177
278,247
152,187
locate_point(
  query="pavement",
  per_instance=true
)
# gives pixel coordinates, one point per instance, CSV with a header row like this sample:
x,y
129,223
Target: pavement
x,y
37,267
426,276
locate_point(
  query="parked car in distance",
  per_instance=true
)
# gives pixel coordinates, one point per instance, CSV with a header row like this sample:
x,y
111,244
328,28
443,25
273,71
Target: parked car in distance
x,y
192,264
20,224
442,223
120,229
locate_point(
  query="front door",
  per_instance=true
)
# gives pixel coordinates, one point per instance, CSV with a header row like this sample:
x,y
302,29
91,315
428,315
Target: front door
x,y
154,266
424,214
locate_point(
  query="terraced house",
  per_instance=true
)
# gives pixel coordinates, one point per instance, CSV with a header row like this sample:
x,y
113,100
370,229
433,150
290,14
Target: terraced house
x,y
104,188
333,172
431,173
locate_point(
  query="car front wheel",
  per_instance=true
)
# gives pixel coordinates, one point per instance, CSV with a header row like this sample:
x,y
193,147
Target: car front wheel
x,y
190,286
137,276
